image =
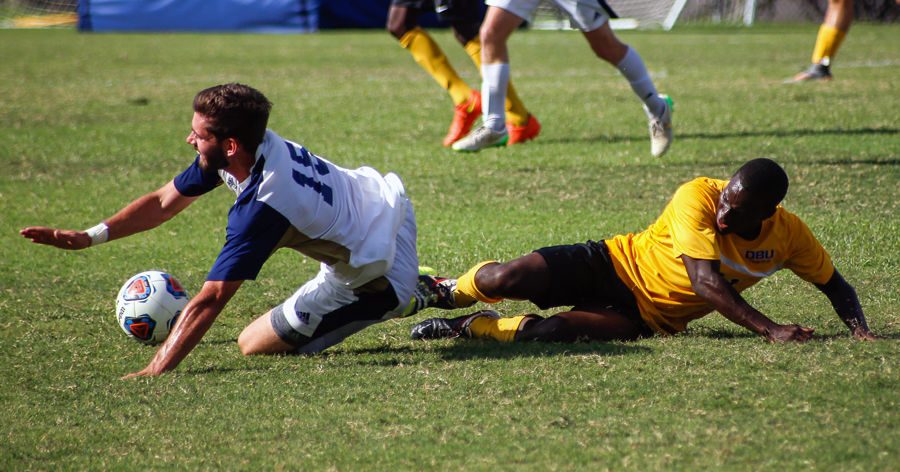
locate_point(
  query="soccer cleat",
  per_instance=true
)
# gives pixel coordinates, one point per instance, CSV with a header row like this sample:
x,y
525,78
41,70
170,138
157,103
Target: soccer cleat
x,y
464,117
661,128
448,328
430,291
520,134
820,71
483,137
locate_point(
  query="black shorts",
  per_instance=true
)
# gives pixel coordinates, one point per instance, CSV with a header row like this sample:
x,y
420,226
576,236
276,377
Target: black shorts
x,y
583,274
448,10
334,327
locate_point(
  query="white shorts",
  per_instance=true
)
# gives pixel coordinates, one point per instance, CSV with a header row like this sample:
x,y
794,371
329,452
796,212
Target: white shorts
x,y
585,15
327,309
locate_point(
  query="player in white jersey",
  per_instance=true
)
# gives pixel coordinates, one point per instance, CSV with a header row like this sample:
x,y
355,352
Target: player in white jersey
x,y
359,224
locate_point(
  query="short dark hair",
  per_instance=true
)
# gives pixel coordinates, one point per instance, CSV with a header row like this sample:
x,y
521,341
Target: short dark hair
x,y
235,111
764,179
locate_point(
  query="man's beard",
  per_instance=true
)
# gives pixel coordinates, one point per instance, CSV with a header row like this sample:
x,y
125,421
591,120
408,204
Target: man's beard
x,y
214,160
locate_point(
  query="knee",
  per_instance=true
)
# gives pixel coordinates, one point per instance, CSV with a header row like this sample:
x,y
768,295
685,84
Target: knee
x,y
465,32
397,28
246,344
489,36
493,278
500,279
612,51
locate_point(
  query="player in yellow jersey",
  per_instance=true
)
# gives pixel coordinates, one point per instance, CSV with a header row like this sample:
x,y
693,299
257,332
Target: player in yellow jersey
x,y
464,17
714,239
838,18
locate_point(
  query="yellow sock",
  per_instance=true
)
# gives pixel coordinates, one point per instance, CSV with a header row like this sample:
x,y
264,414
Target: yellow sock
x,y
827,43
429,55
503,329
466,293
516,113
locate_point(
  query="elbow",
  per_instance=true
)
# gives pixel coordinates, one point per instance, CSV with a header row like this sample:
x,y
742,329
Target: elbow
x,y
705,288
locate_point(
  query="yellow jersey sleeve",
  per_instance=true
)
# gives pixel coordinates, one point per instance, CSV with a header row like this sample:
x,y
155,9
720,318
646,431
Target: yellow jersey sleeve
x,y
692,218
808,259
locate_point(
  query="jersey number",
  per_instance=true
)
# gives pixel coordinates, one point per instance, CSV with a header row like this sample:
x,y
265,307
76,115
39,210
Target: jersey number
x,y
310,161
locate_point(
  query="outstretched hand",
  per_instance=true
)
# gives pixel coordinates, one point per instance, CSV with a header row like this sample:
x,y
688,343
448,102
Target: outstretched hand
x,y
790,332
61,238
146,372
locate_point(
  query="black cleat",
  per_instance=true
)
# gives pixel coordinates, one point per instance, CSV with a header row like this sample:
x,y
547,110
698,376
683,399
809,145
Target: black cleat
x,y
821,71
432,291
448,328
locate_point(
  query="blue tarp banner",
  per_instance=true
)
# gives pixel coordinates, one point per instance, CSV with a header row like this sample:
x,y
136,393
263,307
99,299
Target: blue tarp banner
x,y
362,14
258,16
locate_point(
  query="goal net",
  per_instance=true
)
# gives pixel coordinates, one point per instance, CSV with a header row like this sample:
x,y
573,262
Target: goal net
x,y
665,13
632,14
38,13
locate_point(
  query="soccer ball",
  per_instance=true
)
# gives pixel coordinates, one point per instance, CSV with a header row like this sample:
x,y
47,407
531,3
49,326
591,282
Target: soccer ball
x,y
148,305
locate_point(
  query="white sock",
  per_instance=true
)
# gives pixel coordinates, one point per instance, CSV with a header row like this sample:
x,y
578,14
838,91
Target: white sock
x,y
633,68
494,80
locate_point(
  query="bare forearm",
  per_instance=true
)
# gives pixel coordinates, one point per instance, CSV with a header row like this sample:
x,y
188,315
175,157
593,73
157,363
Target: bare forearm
x,y
187,334
708,283
196,319
143,214
846,304
724,299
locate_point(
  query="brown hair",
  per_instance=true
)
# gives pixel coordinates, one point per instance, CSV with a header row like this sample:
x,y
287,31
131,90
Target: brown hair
x,y
235,111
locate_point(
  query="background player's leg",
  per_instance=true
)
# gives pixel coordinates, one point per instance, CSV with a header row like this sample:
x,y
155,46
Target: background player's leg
x,y
834,28
838,18
403,25
607,46
496,29
465,29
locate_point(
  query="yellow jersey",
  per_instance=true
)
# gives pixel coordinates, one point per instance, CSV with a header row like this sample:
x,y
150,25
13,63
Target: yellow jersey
x,y
650,264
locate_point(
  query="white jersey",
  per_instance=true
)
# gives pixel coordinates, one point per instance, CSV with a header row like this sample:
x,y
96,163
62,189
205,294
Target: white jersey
x,y
347,219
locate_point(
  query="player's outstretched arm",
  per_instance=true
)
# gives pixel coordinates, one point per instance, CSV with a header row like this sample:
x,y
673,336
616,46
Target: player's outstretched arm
x,y
845,302
195,320
146,212
710,285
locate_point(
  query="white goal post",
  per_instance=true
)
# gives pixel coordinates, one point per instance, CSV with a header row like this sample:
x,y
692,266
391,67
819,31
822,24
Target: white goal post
x,y
655,13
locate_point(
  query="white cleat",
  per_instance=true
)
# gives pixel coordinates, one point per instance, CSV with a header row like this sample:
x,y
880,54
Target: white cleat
x,y
482,137
661,128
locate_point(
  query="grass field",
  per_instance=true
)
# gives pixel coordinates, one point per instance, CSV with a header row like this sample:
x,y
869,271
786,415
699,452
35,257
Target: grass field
x,y
90,122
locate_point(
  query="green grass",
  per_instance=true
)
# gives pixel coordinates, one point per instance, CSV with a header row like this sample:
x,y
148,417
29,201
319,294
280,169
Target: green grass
x,y
89,122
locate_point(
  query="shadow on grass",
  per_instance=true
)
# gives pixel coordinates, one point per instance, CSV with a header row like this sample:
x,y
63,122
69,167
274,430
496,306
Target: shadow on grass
x,y
724,334
466,350
772,133
719,333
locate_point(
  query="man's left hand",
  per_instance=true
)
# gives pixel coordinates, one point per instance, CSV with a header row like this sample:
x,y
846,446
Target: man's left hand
x,y
146,372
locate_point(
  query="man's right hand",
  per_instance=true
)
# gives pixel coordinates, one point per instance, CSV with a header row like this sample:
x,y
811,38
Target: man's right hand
x,y
61,238
790,332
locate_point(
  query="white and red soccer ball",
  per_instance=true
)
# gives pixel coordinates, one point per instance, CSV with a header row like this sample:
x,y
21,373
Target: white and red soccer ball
x,y
148,306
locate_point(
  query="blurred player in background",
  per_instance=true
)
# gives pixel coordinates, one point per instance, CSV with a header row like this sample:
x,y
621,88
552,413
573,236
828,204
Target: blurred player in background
x,y
714,239
465,18
357,223
592,18
834,28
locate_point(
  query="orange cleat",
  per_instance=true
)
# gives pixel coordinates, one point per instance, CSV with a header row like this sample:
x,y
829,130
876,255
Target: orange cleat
x,y
520,134
463,118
